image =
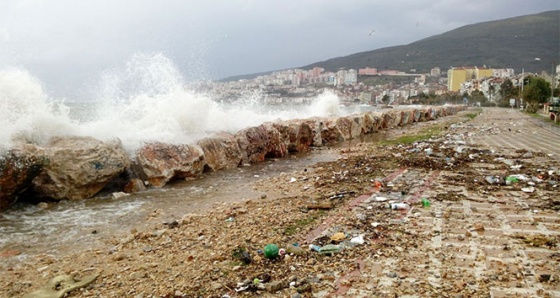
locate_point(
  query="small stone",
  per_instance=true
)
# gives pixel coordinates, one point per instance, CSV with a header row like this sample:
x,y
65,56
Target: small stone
x,y
306,288
213,285
273,287
118,195
43,205
137,275
119,257
296,250
392,275
478,227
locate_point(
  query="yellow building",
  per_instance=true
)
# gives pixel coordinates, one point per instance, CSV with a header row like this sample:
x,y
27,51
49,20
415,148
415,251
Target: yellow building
x,y
458,75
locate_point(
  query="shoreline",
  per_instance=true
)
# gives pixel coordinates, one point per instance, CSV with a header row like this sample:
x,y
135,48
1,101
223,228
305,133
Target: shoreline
x,y
194,257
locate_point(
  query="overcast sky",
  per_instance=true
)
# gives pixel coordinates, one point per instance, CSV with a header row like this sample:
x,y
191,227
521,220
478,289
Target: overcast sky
x,y
68,43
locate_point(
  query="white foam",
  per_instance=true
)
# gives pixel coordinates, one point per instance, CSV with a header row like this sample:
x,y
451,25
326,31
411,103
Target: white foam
x,y
26,113
143,101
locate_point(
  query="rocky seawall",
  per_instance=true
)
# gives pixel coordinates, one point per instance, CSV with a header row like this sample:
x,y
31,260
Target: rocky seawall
x,y
74,168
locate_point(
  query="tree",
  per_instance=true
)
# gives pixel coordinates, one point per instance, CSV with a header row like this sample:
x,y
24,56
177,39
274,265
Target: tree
x,y
508,91
536,92
491,90
385,99
478,96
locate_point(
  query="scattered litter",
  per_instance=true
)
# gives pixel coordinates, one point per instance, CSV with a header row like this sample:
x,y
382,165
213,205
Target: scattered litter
x,y
399,206
61,285
271,251
314,247
337,237
118,195
330,249
358,239
528,189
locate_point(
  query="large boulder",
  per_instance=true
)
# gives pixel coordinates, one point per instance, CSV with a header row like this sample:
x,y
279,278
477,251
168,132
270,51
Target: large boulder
x,y
160,163
394,118
335,130
378,120
431,114
221,152
253,142
78,167
407,117
441,111
316,126
296,134
369,123
356,126
419,115
277,145
17,170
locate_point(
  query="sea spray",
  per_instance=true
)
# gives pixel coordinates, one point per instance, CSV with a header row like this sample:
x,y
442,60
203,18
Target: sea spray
x,y
145,100
326,104
26,113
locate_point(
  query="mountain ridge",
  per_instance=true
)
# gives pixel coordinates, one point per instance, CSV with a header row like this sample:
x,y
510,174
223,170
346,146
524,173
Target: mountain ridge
x,y
529,42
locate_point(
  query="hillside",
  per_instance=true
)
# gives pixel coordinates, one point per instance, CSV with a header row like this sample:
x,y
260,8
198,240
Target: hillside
x,y
508,43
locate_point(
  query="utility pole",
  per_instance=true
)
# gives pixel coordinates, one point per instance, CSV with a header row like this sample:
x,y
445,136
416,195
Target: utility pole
x,y
522,83
552,81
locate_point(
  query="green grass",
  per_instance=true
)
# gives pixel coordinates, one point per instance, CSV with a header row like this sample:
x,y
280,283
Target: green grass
x,y
302,223
471,115
542,118
475,113
424,134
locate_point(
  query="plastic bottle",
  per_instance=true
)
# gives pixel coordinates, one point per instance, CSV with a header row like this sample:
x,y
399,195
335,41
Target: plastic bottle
x,y
314,247
511,179
329,249
399,206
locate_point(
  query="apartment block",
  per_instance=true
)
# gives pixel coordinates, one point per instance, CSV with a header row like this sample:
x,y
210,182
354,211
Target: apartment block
x,y
458,75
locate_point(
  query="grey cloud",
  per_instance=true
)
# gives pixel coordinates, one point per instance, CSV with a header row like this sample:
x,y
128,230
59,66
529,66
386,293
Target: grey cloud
x,y
58,39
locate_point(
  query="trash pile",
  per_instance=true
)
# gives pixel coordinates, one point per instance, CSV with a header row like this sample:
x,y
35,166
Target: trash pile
x,y
324,230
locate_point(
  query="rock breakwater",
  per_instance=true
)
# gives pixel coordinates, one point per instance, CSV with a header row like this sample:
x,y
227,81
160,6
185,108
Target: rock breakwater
x,y
72,168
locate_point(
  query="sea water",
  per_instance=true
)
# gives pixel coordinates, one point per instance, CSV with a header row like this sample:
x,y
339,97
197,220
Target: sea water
x,y
144,100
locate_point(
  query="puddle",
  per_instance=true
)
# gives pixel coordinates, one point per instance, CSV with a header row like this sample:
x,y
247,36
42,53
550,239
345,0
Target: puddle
x,y
73,226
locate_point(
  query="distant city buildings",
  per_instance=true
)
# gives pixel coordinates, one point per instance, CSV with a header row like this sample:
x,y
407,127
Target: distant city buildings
x,y
300,86
435,72
368,71
459,75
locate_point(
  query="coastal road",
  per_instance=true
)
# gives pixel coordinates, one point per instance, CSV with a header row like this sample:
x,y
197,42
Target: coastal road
x,y
477,239
509,128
